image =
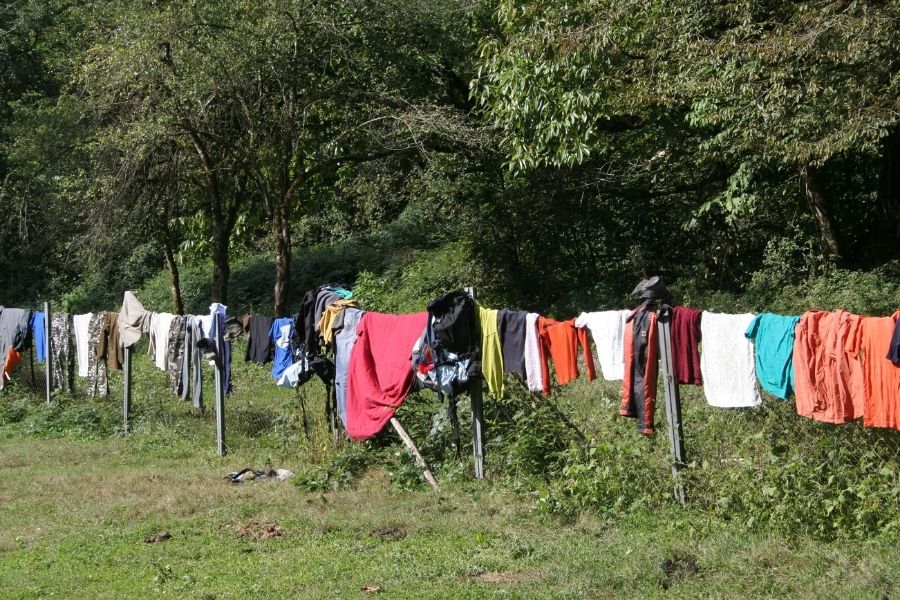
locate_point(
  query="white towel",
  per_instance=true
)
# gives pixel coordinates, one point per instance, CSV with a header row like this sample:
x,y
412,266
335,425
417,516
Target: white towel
x,y
81,324
726,361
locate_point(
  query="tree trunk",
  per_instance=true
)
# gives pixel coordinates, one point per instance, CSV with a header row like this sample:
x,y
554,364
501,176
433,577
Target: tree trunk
x,y
175,281
815,193
281,228
221,222
221,266
889,192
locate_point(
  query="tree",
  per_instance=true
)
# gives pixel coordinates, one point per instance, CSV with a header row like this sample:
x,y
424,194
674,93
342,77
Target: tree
x,y
668,90
268,96
37,41
324,86
157,76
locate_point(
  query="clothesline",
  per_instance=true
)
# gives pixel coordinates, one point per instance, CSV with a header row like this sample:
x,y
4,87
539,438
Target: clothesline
x,y
737,351
839,367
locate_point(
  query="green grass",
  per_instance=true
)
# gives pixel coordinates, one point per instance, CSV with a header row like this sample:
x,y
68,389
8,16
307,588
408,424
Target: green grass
x,y
78,498
74,516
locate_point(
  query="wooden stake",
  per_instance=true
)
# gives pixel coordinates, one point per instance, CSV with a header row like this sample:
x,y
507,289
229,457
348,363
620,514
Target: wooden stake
x,y
31,356
412,447
302,402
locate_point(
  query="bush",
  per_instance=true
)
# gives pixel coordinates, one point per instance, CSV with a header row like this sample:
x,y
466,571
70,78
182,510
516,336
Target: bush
x,y
769,467
425,275
64,416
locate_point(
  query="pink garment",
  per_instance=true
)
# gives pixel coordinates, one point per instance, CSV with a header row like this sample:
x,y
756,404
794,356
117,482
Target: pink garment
x,y
380,374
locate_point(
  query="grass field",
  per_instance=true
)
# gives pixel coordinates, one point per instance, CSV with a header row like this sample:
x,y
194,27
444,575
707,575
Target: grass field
x,y
76,507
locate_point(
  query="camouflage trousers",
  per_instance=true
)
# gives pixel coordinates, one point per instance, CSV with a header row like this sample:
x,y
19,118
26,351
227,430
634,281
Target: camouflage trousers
x,y
96,378
61,351
175,353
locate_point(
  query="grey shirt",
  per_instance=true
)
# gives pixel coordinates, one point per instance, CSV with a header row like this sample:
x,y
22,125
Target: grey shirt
x,y
13,329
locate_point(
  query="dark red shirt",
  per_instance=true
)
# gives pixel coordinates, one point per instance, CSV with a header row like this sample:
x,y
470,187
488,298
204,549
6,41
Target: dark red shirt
x,y
685,345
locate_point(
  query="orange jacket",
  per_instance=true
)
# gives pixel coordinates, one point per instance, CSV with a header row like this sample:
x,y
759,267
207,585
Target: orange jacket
x,y
639,393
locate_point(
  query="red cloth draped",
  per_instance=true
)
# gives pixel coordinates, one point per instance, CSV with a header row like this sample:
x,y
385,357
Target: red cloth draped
x,y
380,374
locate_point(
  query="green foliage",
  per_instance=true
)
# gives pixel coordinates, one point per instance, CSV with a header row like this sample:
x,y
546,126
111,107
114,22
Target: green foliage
x,y
422,276
796,475
612,477
342,471
563,80
67,416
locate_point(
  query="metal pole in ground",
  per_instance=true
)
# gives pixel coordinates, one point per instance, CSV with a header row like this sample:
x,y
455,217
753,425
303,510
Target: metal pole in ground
x,y
220,387
126,396
477,416
673,399
48,360
331,399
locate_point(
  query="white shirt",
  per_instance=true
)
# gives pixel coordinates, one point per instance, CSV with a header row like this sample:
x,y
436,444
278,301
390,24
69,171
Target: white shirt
x,y
533,373
608,331
726,361
81,323
160,323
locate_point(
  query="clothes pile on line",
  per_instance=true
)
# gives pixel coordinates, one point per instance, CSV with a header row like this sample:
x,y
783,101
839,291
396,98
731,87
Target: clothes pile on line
x,y
179,344
838,366
91,344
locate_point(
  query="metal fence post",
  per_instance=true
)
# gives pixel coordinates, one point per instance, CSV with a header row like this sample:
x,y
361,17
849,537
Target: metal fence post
x,y
48,359
126,396
221,448
475,394
673,400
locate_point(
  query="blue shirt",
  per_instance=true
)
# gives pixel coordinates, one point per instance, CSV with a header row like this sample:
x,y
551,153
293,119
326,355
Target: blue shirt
x,y
773,338
281,332
39,335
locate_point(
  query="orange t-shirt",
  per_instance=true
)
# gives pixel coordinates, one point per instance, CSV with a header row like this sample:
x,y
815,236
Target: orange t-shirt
x,y
12,360
560,339
882,377
829,383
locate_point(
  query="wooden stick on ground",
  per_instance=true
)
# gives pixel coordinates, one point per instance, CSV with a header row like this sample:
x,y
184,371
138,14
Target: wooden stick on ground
x,y
419,460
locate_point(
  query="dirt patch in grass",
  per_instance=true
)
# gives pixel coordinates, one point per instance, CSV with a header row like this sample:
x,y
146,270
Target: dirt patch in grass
x,y
678,567
371,589
256,531
496,577
162,536
391,533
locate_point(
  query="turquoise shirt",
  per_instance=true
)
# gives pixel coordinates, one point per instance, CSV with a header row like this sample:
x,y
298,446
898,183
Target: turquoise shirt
x,y
773,339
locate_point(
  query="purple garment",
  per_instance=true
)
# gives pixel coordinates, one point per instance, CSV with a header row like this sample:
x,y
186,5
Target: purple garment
x,y
893,354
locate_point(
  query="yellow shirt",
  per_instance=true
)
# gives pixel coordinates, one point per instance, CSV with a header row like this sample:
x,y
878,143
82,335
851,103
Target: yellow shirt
x,y
328,317
491,352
